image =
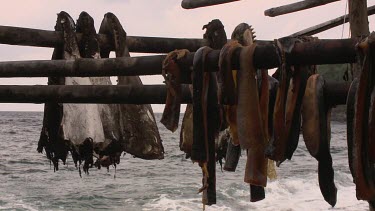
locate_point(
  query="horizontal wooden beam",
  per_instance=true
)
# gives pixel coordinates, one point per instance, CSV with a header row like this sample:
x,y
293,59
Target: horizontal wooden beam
x,y
335,93
328,24
120,94
294,7
131,66
192,4
44,38
265,57
102,94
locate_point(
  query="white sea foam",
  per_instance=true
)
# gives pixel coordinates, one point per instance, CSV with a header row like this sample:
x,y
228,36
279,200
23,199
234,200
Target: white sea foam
x,y
28,182
284,194
15,204
166,202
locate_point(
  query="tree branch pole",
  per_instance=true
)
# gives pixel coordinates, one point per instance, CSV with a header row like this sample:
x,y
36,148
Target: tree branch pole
x,y
329,24
112,94
358,25
102,94
265,57
335,93
298,6
44,38
192,4
358,18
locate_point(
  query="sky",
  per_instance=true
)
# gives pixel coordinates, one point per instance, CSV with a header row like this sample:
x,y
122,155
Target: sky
x,y
159,18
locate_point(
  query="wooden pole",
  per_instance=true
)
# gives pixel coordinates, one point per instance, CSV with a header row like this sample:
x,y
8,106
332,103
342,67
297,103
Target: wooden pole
x,y
358,18
358,26
83,67
44,38
109,94
335,93
329,24
192,4
102,94
298,6
265,57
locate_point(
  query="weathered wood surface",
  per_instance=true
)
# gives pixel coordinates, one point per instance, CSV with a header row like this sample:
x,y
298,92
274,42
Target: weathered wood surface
x,y
358,18
294,7
107,94
358,26
192,4
329,24
335,93
43,38
103,94
265,57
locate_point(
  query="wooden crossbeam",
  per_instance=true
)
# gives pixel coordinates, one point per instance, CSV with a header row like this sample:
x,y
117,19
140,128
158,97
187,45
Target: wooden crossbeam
x,y
107,94
329,24
103,94
44,38
298,6
266,56
192,4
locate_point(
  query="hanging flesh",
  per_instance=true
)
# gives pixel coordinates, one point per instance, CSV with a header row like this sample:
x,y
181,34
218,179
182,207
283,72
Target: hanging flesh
x,y
139,131
110,150
317,134
214,37
206,123
227,88
55,147
252,136
350,112
293,107
364,120
172,76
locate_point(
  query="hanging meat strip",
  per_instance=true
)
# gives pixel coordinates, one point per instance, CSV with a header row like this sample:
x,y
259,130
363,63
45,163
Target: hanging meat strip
x,y
227,88
80,126
215,38
294,100
139,131
186,133
350,113
110,150
252,135
172,77
317,134
363,146
206,123
277,147
287,109
55,147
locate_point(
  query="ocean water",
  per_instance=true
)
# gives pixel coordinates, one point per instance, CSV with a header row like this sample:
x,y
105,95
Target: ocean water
x,y
28,182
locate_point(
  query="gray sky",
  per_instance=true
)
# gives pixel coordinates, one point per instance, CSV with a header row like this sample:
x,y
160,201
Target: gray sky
x,y
162,18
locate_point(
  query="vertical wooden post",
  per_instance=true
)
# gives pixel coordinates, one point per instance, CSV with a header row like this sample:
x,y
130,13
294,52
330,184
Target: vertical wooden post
x,y
358,18
358,25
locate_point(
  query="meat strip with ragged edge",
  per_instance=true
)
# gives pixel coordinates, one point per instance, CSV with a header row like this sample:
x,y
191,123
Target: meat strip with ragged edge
x,y
55,147
139,132
251,134
214,37
109,151
364,120
317,134
206,123
172,76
